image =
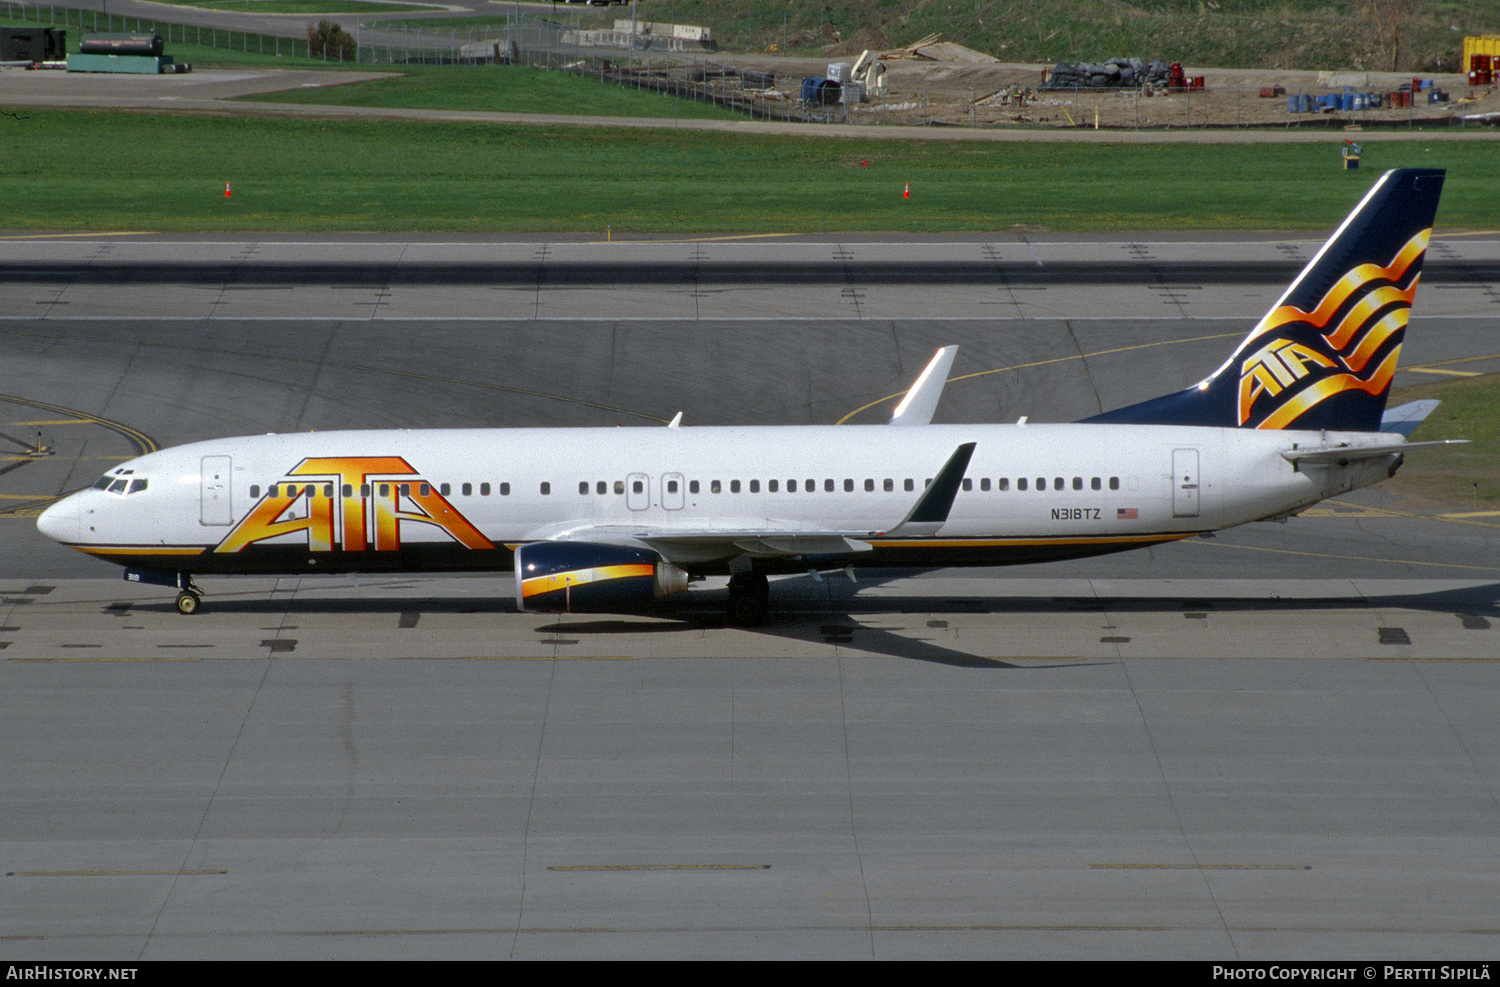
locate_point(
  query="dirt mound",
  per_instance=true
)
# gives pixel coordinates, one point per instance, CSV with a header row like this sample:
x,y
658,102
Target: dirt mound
x,y
870,38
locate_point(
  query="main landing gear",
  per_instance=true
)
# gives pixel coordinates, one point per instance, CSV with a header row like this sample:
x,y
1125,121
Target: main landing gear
x,y
191,597
749,599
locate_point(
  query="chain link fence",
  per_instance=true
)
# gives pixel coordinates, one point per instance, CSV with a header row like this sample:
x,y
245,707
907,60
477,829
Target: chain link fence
x,y
657,64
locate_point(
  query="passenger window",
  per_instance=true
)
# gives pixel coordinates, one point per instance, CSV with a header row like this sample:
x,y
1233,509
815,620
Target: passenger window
x,y
1077,483
546,488
984,483
968,483
1094,484
385,490
909,485
468,489
671,486
583,488
364,490
692,486
1058,483
636,486
1021,483
734,486
276,490
426,490
505,489
713,486
1114,483
619,486
755,486
601,487
349,489
484,490
869,485
771,486
889,485
254,490
1041,483
1003,483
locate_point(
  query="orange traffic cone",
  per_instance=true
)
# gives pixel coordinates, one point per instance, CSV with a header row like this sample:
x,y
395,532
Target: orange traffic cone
x,y
906,192
226,190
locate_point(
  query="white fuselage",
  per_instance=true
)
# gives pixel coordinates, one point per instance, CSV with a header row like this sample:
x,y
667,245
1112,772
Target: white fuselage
x,y
463,499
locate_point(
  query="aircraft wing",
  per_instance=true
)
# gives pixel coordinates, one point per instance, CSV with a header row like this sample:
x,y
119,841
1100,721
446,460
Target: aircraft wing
x,y
770,537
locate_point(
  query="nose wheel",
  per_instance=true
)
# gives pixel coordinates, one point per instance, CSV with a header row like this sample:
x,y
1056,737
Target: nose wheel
x,y
188,603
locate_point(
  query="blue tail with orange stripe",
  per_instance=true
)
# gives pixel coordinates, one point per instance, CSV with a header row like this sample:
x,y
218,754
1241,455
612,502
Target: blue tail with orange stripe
x,y
1324,356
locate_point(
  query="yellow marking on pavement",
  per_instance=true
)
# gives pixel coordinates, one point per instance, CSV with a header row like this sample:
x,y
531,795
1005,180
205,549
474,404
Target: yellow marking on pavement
x,y
550,657
1200,867
162,658
114,873
1444,372
622,867
1347,558
59,421
1450,517
66,236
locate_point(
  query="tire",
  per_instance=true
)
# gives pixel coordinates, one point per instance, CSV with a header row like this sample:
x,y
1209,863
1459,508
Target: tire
x,y
749,600
188,603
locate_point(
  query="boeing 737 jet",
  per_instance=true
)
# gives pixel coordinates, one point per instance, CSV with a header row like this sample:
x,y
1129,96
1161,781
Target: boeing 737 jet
x,y
612,519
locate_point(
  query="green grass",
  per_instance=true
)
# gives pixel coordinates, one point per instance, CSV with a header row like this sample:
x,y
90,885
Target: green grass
x,y
301,6
510,89
165,172
1465,474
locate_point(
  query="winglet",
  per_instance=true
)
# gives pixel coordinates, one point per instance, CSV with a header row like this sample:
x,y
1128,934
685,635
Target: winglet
x,y
922,400
931,509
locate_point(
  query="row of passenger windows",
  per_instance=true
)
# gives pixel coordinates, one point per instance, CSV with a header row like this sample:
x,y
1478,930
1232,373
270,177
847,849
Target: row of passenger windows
x,y
638,486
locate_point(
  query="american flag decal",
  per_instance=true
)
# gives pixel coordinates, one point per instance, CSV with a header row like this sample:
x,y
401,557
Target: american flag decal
x,y
1126,514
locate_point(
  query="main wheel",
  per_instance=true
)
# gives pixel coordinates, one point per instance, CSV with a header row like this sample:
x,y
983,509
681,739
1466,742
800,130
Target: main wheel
x,y
188,603
749,600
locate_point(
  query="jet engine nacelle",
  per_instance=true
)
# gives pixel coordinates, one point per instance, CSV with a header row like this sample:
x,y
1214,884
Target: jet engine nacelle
x,y
583,577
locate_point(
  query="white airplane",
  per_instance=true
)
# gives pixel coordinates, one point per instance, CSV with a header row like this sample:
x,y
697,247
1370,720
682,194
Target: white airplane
x,y
612,519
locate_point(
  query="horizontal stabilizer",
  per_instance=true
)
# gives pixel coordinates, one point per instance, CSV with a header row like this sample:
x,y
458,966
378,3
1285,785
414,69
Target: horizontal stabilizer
x,y
1343,455
1405,419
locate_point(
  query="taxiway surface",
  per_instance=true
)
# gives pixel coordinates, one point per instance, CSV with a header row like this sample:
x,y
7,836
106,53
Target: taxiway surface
x,y
1277,743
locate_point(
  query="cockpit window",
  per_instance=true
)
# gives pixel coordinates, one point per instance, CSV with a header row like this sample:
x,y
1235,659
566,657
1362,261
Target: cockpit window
x,y
120,484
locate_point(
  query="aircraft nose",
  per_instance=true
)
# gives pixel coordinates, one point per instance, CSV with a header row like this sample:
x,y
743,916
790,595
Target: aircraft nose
x,y
60,521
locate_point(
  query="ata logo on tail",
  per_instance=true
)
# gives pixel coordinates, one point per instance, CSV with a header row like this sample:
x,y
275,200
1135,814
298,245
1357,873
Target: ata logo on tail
x,y
351,504
1307,362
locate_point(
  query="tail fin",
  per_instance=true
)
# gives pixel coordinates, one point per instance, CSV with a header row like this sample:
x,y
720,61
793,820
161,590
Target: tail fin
x,y
1324,356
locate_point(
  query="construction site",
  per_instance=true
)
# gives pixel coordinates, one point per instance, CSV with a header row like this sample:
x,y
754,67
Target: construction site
x,y
940,83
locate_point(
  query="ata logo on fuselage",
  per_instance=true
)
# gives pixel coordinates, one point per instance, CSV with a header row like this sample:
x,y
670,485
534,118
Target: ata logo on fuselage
x,y
351,504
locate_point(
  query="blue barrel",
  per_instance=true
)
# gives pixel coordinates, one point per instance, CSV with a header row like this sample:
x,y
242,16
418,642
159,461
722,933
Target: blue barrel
x,y
1294,104
1346,102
